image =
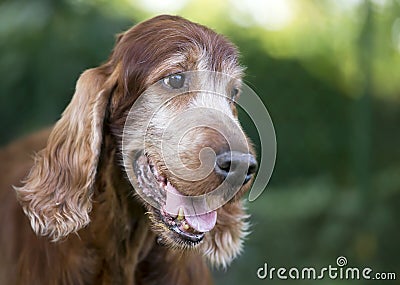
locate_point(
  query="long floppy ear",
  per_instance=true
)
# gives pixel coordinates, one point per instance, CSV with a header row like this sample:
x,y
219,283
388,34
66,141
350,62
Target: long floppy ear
x,y
56,195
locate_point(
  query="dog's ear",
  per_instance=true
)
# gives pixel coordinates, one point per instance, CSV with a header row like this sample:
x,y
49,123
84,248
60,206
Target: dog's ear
x,y
56,195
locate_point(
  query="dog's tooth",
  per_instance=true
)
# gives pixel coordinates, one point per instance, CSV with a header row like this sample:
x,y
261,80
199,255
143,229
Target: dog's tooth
x,y
185,226
181,214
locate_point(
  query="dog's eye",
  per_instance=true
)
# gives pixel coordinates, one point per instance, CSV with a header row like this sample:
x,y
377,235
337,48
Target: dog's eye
x,y
234,93
176,81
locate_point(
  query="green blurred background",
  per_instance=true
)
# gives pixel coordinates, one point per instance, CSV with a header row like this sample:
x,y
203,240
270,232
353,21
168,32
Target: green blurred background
x,y
328,72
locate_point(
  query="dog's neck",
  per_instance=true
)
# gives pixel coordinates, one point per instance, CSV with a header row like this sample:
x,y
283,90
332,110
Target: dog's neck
x,y
122,232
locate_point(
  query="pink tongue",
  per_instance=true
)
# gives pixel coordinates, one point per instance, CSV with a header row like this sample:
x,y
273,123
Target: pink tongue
x,y
203,222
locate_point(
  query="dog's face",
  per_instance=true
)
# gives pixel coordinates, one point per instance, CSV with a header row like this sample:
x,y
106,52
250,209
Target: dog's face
x,y
184,156
167,94
182,143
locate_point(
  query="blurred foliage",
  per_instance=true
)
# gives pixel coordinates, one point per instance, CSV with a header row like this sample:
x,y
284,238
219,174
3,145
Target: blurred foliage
x,y
329,73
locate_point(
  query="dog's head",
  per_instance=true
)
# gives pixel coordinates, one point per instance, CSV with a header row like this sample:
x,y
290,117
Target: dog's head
x,y
163,76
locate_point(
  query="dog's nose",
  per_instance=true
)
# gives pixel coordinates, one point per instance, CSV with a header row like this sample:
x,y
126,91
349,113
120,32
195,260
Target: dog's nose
x,y
235,163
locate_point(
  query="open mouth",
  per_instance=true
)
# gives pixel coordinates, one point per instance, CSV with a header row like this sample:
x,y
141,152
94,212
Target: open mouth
x,y
185,223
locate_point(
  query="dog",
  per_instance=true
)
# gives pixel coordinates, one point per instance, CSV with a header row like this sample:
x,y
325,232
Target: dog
x,y
79,212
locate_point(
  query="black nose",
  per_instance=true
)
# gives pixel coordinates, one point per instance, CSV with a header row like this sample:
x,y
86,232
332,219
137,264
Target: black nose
x,y
235,163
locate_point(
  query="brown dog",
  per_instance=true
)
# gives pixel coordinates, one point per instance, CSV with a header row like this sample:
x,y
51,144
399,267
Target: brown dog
x,y
89,226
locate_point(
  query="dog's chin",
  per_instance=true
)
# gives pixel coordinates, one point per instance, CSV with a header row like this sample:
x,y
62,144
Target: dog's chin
x,y
172,230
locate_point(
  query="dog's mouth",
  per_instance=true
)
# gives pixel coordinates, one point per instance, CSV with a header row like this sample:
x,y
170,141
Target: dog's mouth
x,y
174,217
